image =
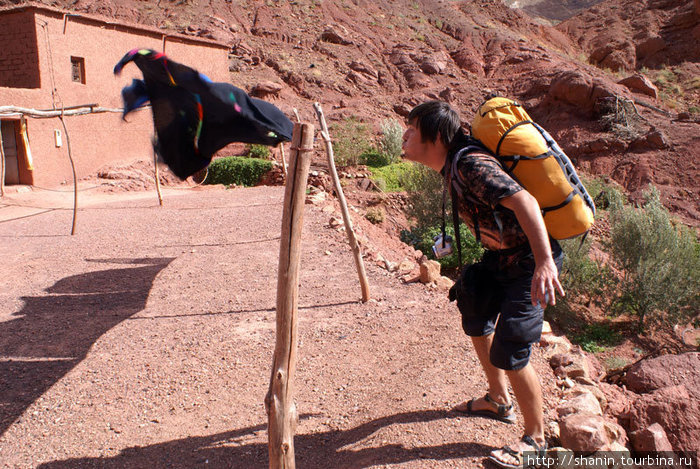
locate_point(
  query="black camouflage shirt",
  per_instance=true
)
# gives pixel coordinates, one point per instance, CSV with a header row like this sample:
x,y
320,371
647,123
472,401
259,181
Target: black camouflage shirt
x,y
486,184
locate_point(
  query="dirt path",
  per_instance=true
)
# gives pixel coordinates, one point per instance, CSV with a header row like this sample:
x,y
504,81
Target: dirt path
x,y
146,340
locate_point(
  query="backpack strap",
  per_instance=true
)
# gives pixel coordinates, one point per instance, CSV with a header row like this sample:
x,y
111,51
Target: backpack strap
x,y
458,188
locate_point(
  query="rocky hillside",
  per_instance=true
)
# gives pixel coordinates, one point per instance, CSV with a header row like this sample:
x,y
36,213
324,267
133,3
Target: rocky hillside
x,y
552,10
371,60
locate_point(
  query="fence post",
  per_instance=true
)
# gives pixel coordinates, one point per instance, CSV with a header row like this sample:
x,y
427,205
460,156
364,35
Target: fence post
x,y
279,402
354,245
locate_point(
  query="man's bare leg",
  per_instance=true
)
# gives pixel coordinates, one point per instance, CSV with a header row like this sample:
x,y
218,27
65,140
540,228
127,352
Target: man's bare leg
x,y
528,393
498,385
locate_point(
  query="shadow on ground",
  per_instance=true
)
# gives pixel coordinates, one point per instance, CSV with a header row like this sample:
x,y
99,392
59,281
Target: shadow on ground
x,y
331,449
53,333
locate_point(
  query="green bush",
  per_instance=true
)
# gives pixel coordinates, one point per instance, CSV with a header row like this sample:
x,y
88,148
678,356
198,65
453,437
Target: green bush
x,y
374,158
659,263
351,138
375,215
581,276
422,238
390,178
258,151
237,170
424,187
602,193
392,139
597,337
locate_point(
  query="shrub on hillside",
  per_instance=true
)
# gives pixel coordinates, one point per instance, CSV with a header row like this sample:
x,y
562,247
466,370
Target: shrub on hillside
x,y
421,238
391,178
391,140
375,215
258,151
351,138
375,158
237,170
424,188
659,263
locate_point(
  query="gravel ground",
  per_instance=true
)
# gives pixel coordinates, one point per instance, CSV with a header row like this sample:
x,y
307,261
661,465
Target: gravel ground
x,y
146,340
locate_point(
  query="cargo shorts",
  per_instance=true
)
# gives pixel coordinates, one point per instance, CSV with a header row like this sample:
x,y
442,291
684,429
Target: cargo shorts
x,y
494,297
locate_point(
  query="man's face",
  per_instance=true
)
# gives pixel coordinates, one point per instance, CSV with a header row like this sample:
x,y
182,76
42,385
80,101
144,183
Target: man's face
x,y
414,149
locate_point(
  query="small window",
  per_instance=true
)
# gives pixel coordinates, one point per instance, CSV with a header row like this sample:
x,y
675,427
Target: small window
x,y
78,69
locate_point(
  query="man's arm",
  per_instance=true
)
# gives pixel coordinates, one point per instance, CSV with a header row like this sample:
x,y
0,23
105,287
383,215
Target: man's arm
x,y
546,277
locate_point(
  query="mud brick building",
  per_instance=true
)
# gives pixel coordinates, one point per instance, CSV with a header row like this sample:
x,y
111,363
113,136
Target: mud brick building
x,y
53,59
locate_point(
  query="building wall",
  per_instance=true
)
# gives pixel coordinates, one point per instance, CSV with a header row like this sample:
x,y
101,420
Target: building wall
x,y
97,140
19,60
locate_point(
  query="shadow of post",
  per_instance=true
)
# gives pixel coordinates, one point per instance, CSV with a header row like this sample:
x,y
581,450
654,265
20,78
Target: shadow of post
x,y
331,449
53,333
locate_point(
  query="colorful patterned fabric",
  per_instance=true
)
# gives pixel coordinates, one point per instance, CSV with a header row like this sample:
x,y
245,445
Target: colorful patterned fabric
x,y
195,117
486,184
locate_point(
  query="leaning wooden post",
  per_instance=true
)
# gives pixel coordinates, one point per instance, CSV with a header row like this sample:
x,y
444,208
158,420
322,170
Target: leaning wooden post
x,y
156,175
284,161
75,176
279,402
359,263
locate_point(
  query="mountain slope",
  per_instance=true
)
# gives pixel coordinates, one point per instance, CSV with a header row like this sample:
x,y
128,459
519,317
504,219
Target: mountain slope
x,y
371,60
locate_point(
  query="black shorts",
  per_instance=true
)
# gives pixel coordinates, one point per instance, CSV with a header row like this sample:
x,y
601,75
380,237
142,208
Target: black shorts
x,y
493,296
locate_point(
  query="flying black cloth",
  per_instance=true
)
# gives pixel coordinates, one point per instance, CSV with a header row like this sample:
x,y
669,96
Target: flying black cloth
x,y
195,117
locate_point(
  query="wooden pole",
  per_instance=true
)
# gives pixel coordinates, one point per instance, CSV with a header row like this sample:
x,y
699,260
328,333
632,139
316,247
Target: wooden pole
x,y
75,176
284,161
157,177
359,263
279,402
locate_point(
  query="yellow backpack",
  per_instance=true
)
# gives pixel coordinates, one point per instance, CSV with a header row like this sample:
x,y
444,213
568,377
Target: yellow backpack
x,y
531,156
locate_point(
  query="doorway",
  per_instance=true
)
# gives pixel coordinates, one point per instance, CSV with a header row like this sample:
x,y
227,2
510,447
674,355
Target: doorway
x,y
16,168
9,146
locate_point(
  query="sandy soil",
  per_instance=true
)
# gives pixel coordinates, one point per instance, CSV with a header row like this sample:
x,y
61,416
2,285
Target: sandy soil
x,y
146,340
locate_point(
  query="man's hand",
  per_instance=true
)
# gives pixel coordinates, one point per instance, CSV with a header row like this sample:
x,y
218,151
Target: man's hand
x,y
544,282
546,277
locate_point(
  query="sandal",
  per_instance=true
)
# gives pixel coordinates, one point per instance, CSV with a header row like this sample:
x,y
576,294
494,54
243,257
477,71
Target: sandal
x,y
540,452
503,413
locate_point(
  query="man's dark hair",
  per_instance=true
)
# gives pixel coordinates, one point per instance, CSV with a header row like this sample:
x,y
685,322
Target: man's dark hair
x,y
435,117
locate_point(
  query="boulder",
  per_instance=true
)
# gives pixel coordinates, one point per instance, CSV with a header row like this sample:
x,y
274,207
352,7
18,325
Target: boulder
x,y
674,408
641,84
546,328
550,340
573,364
579,389
363,68
406,266
561,359
444,283
588,433
583,91
649,47
652,438
336,35
666,370
429,271
266,88
585,403
615,55
434,64
335,222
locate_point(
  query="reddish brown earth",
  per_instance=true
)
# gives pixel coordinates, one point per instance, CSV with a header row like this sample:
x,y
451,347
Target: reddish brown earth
x,y
146,340
372,60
